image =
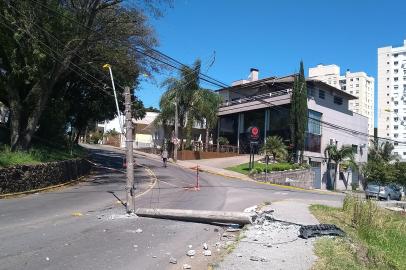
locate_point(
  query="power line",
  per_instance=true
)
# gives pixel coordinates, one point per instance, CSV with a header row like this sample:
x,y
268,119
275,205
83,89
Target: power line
x,y
143,51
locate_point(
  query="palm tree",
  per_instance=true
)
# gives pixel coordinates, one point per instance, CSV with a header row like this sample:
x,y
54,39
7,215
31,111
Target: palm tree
x,y
275,146
349,164
207,104
182,92
337,155
381,151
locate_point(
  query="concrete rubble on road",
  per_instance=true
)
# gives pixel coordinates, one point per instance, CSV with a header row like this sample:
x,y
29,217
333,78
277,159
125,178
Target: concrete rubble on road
x,y
187,266
191,252
269,244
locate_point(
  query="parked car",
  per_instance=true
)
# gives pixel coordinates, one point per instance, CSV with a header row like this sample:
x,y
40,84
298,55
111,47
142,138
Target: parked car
x,y
388,192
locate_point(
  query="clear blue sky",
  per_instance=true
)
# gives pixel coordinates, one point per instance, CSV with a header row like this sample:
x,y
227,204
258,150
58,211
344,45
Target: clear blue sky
x,y
274,35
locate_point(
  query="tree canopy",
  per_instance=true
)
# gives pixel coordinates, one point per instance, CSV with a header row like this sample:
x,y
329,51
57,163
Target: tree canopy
x,y
51,59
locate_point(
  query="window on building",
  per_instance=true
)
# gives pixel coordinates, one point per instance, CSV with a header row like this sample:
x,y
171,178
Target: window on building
x,y
395,63
314,123
396,87
396,71
396,119
322,94
355,149
395,55
395,143
395,126
395,110
396,79
338,100
313,132
396,103
351,79
357,79
395,153
395,135
404,71
357,85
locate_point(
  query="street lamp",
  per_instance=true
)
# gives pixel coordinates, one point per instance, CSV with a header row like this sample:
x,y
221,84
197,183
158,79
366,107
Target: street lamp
x,y
108,66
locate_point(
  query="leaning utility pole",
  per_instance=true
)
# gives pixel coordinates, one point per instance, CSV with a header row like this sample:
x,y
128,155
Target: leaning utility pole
x,y
175,148
129,151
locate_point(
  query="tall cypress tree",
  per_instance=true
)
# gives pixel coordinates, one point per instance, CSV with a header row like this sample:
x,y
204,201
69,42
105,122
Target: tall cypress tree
x,y
299,114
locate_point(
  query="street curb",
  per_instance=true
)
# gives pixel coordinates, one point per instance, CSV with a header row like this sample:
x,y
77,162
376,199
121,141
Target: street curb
x,y
7,195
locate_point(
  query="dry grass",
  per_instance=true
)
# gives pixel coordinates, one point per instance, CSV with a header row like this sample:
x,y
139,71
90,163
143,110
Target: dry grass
x,y
377,237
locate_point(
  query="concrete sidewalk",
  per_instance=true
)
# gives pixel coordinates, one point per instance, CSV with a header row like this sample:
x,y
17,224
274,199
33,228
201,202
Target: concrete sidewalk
x,y
223,163
276,245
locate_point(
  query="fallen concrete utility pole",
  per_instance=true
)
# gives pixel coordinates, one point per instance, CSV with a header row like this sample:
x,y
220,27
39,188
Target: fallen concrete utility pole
x,y
196,215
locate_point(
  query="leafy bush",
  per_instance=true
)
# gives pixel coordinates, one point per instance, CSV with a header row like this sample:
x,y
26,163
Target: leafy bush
x,y
223,141
260,167
354,186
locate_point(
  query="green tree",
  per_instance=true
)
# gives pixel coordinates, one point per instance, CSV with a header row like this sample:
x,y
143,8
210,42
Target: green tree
x,y
223,141
275,146
379,172
205,111
181,91
298,114
400,173
43,44
337,155
381,151
347,165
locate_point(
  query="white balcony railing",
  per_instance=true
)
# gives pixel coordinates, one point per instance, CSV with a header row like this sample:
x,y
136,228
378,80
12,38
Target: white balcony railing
x,y
254,98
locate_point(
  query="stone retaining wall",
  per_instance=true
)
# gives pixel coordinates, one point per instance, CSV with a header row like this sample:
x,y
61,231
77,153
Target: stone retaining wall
x,y
28,177
295,178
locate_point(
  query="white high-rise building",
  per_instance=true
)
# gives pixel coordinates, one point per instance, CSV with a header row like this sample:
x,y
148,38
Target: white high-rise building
x,y
358,84
392,96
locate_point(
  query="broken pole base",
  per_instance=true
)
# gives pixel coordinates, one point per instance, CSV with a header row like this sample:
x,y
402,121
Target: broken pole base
x,y
196,215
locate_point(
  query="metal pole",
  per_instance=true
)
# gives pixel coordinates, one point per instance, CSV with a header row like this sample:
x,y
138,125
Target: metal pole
x,y
175,149
115,98
197,177
129,147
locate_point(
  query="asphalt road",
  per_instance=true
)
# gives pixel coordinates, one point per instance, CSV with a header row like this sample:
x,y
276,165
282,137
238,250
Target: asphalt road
x,y
83,226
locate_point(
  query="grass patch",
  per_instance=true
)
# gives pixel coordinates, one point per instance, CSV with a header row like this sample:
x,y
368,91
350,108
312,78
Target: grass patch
x,y
260,167
38,154
376,237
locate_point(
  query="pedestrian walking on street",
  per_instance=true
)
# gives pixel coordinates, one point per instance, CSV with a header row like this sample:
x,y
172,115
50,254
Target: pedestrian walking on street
x,y
165,157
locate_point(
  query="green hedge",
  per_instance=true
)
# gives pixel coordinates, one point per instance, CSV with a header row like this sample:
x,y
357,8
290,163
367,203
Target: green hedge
x,y
273,167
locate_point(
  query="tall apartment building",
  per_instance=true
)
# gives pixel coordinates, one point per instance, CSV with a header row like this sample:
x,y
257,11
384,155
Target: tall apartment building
x,y
358,84
392,96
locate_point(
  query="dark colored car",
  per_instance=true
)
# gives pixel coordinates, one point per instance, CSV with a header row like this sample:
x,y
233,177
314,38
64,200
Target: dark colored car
x,y
388,192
